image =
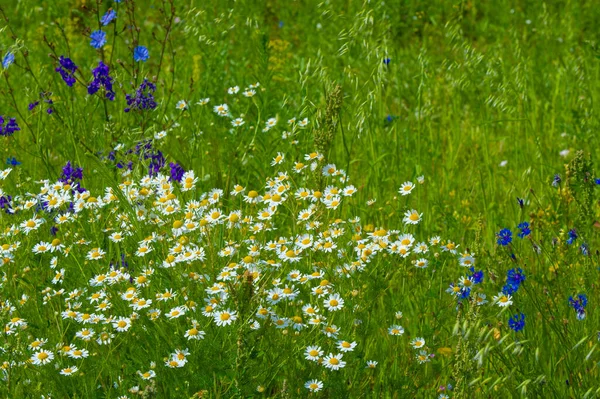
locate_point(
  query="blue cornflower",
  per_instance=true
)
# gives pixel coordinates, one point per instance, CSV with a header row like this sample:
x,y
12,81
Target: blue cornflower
x,y
108,17
141,53
176,172
504,237
521,202
464,293
515,276
280,24
387,61
67,70
517,322
476,276
12,161
98,39
389,118
8,59
572,236
597,180
102,78
10,128
556,180
579,304
525,231
32,106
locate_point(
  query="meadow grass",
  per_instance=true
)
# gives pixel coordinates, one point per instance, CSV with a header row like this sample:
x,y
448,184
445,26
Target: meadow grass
x,y
181,259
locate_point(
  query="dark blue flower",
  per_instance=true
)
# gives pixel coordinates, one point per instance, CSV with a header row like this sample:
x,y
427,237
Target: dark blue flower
x,y
176,172
521,202
32,106
387,61
108,17
515,276
5,203
141,53
504,237
98,39
517,322
556,180
10,128
280,24
476,276
12,161
143,99
585,249
464,293
102,79
597,180
579,304
572,236
8,59
525,231
70,174
53,230
67,70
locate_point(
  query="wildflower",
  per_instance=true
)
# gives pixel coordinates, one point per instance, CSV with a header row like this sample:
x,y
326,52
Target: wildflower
x,y
579,304
387,60
556,180
476,276
141,53
371,364
418,343
42,357
396,330
517,322
313,353
181,105
143,99
412,217
521,202
406,188
346,346
108,17
98,39
503,299
423,357
176,172
102,79
67,70
334,302
225,317
237,122
334,362
525,231
10,128
8,59
69,370
504,237
572,236
313,385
